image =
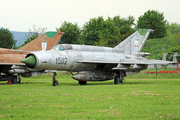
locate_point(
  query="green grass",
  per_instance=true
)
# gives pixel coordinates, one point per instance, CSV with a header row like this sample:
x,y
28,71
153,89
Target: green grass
x,y
160,45
142,96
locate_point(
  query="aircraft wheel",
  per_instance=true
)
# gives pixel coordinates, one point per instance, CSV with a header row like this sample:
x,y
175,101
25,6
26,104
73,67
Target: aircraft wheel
x,y
118,80
82,82
55,83
18,79
14,80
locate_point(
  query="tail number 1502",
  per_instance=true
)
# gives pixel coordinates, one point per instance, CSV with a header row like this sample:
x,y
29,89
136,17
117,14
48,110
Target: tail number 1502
x,y
62,61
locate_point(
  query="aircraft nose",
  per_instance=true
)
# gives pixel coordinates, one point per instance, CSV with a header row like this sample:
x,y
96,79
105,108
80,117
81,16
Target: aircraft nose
x,y
29,61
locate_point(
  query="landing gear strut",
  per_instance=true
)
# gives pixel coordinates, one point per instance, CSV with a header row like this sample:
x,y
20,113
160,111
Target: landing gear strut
x,y
55,82
119,77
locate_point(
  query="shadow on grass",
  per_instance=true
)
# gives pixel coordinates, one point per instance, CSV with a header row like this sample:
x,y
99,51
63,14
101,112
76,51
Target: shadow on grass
x,y
139,82
24,83
3,83
89,83
33,83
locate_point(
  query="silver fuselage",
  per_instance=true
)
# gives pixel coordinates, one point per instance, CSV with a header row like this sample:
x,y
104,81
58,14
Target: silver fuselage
x,y
84,58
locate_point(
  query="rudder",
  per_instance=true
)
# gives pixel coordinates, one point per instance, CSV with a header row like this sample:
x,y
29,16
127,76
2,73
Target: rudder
x,y
135,42
50,37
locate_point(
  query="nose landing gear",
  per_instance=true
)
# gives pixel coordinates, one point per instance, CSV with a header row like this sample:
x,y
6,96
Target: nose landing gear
x,y
55,82
119,77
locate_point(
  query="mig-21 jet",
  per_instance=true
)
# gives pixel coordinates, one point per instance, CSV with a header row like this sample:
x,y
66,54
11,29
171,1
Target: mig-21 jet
x,y
94,63
10,66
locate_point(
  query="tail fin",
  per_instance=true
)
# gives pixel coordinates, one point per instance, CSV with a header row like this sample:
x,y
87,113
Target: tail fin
x,y
134,43
51,38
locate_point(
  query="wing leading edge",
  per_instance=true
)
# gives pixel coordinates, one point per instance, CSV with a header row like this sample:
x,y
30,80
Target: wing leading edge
x,y
129,65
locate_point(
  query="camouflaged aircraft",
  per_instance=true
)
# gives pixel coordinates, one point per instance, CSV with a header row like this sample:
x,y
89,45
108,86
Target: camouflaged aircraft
x,y
94,63
10,64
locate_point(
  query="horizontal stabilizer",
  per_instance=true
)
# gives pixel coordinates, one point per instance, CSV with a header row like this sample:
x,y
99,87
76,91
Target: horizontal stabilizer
x,y
157,62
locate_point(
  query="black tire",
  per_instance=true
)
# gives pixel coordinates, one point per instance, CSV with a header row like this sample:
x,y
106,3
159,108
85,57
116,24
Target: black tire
x,y
15,81
118,80
82,82
55,83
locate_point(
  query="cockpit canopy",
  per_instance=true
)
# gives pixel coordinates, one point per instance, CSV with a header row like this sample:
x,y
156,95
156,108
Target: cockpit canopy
x,y
63,47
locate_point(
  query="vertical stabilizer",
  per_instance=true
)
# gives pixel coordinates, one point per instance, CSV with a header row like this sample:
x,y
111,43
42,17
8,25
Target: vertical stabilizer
x,y
134,43
51,38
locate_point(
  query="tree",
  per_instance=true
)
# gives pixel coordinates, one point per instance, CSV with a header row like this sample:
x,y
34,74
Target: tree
x,y
171,52
33,34
173,28
153,20
35,31
173,31
124,26
108,32
72,33
6,38
175,38
92,30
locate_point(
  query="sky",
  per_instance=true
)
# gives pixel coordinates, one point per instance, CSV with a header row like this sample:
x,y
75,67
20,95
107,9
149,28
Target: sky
x,y
21,15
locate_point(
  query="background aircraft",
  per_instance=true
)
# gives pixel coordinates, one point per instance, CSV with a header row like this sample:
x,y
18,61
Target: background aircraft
x,y
10,59
94,63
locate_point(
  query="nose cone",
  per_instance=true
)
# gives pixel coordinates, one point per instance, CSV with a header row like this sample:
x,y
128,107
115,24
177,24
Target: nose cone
x,y
29,61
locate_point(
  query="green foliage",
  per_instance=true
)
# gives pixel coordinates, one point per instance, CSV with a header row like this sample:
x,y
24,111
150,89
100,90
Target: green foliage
x,y
108,32
17,47
176,39
72,33
174,49
161,45
142,31
33,34
173,28
173,31
153,20
6,38
171,53
173,35
92,30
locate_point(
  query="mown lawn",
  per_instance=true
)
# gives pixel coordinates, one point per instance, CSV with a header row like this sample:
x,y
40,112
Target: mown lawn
x,y
143,96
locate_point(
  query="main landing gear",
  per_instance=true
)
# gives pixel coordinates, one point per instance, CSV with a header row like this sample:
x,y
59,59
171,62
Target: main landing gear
x,y
55,82
16,79
13,79
119,77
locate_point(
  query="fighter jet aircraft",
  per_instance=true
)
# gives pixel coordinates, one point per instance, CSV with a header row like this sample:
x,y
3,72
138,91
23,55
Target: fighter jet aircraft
x,y
94,63
10,59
